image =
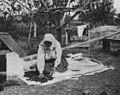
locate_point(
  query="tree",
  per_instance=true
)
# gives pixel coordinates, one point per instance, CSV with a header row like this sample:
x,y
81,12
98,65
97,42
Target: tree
x,y
99,12
52,13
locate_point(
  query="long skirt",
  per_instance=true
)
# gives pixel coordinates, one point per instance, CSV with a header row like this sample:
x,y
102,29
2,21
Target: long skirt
x,y
49,65
48,70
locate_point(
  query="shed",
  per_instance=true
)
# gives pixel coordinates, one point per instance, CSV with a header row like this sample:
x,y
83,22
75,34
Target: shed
x,y
7,44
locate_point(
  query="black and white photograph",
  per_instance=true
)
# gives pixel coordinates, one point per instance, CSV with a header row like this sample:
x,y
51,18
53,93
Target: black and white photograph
x,y
59,47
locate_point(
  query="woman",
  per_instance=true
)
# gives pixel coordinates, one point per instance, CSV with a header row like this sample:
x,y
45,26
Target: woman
x,y
50,57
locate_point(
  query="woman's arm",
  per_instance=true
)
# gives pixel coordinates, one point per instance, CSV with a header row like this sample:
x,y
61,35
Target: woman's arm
x,y
40,59
58,54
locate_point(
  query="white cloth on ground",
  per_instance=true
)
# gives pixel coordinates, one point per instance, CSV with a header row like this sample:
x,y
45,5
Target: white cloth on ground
x,y
76,68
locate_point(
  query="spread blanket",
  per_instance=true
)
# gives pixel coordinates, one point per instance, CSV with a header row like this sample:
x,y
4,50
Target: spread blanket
x,y
77,66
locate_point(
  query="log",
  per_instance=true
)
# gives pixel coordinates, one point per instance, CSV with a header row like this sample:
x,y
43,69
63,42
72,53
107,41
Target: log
x,y
75,45
30,57
92,40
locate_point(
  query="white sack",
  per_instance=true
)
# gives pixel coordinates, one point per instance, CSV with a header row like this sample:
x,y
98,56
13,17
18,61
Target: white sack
x,y
14,64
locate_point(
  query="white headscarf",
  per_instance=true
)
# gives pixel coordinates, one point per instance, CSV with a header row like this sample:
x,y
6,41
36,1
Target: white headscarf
x,y
49,37
56,47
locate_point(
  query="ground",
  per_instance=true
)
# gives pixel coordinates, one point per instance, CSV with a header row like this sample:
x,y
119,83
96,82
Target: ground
x,y
108,81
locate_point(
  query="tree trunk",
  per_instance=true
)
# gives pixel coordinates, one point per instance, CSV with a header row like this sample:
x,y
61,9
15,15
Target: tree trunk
x,y
29,37
63,18
59,34
35,29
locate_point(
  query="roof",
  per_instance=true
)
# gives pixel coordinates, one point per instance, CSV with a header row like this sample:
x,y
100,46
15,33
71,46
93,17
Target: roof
x,y
105,30
11,44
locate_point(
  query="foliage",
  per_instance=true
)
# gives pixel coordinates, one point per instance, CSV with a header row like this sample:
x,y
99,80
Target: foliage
x,y
102,14
96,12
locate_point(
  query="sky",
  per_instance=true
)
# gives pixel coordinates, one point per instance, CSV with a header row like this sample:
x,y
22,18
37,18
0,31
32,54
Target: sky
x,y
117,5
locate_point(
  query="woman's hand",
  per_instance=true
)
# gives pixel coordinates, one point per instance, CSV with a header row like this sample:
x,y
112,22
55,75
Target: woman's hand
x,y
41,75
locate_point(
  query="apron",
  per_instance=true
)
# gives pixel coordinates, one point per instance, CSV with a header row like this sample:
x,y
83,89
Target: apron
x,y
50,57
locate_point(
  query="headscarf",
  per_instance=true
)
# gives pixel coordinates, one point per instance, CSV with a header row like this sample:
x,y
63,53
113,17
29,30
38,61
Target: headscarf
x,y
56,47
49,37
